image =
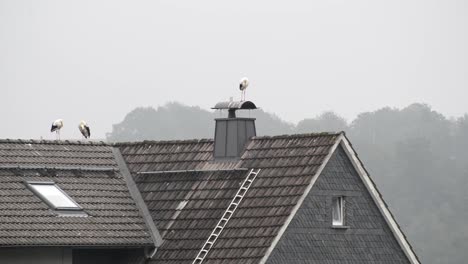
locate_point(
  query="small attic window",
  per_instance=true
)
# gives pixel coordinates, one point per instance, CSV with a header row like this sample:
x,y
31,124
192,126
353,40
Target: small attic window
x,y
53,196
338,211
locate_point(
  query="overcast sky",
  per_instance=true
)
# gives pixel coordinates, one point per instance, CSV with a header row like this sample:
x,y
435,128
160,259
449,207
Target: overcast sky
x,y
98,60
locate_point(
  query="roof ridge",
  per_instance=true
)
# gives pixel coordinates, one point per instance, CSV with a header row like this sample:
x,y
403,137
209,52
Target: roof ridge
x,y
54,142
301,135
209,140
174,141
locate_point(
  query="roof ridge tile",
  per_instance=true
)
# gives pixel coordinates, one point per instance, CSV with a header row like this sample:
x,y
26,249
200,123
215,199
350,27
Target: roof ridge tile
x,y
175,141
302,135
54,142
210,140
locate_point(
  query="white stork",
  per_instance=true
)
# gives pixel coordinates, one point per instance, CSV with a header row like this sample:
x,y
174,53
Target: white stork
x,y
244,82
56,126
84,129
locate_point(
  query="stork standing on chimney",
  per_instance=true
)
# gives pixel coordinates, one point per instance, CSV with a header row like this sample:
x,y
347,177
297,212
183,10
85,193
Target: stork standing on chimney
x,y
244,82
56,126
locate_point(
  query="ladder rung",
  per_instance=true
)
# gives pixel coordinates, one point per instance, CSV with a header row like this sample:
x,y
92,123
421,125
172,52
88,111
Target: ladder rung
x,y
229,211
228,215
236,204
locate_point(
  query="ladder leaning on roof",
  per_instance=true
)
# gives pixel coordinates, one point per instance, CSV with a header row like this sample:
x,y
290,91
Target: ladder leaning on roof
x,y
226,216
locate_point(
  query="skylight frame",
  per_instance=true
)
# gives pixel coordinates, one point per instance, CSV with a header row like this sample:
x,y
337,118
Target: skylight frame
x,y
76,208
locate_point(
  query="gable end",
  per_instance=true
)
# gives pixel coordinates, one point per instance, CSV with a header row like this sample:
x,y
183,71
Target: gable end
x,y
381,205
370,233
364,237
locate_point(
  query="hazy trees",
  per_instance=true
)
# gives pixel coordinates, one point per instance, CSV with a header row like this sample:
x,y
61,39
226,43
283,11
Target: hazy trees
x,y
172,121
328,121
417,157
412,155
177,121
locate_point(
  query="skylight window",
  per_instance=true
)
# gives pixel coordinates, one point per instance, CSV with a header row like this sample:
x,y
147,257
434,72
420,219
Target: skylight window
x,y
338,211
55,197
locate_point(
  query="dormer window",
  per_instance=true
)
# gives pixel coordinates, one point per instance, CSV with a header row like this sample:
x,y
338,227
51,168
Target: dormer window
x,y
53,196
338,211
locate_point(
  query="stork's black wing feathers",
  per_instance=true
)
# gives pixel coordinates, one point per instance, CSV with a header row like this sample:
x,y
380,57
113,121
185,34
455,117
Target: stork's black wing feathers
x,y
89,131
53,128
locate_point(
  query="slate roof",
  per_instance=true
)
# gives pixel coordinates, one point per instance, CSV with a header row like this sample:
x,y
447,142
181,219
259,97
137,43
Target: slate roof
x,y
288,164
88,173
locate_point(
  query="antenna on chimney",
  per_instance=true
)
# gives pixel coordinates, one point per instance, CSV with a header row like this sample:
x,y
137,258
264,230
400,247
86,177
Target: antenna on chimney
x,y
244,82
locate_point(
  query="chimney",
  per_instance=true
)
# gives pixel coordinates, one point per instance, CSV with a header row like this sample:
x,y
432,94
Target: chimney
x,y
232,133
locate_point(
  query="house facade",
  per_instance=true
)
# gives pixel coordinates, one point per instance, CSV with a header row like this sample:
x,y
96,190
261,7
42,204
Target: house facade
x,y
237,198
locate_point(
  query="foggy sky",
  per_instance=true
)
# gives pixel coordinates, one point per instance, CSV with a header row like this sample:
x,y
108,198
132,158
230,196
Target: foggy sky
x,y
97,60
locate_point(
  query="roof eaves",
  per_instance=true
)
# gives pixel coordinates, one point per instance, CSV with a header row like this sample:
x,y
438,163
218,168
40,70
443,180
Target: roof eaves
x,y
104,245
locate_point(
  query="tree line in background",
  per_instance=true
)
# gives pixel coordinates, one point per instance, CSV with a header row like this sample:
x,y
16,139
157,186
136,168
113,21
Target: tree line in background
x,y
417,157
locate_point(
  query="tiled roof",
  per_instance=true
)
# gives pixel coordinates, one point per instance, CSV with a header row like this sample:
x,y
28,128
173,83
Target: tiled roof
x,y
88,173
186,206
55,153
288,164
167,155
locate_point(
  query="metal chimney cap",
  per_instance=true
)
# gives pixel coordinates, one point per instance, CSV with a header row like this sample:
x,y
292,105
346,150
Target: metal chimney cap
x,y
235,105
